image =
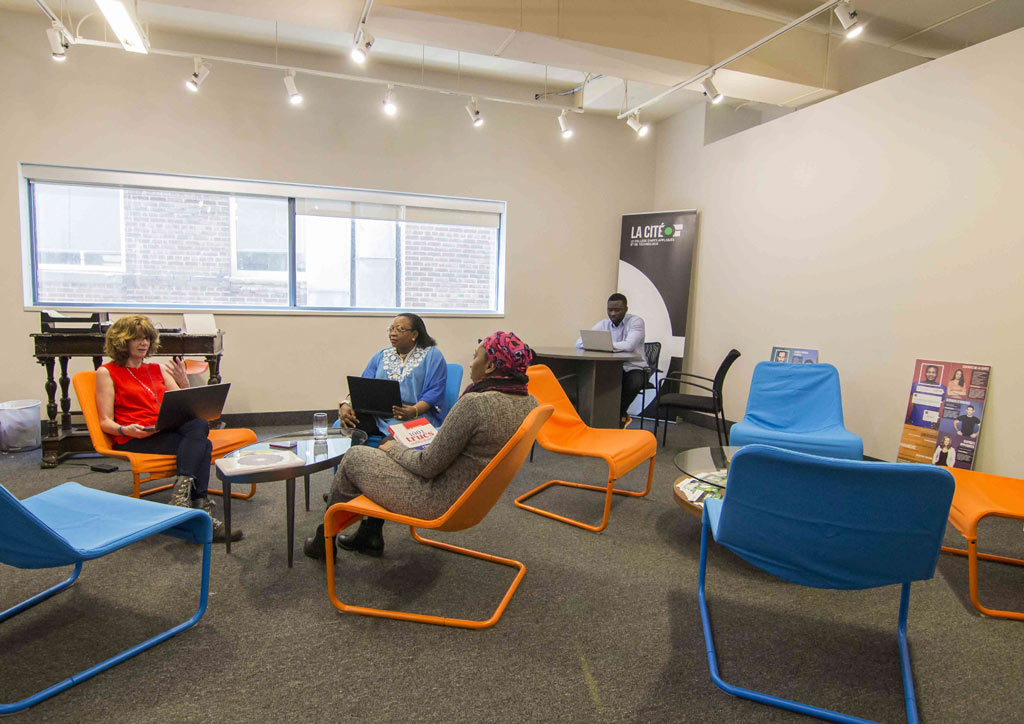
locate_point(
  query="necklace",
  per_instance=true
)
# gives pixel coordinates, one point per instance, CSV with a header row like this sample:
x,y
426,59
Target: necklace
x,y
148,376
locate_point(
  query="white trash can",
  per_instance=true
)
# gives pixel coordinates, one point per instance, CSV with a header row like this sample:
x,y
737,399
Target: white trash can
x,y
19,425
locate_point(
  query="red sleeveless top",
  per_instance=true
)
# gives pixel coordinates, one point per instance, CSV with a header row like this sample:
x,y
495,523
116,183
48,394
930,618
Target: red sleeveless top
x,y
138,392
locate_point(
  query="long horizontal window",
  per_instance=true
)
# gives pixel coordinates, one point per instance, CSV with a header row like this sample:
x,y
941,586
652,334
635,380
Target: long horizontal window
x,y
120,239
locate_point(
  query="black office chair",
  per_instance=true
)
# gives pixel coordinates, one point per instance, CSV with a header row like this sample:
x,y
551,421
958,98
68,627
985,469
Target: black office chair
x,y
652,353
712,404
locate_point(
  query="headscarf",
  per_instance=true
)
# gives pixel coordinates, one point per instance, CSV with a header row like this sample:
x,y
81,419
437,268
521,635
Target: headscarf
x,y
507,352
510,357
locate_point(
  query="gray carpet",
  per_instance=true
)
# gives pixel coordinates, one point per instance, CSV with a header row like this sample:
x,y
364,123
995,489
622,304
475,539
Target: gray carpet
x,y
604,627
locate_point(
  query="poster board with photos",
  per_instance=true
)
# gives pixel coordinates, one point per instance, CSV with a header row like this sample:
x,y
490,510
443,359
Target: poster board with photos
x,y
793,355
944,413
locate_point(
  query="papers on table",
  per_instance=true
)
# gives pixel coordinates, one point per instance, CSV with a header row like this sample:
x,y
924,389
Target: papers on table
x,y
697,491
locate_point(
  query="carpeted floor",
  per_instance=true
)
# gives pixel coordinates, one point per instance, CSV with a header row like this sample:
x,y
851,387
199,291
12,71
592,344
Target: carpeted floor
x,y
604,628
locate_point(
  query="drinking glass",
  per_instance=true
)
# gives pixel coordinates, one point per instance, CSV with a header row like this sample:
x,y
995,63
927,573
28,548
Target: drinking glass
x,y
320,426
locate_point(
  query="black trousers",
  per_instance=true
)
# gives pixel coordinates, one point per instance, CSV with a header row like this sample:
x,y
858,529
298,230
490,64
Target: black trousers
x,y
632,382
190,444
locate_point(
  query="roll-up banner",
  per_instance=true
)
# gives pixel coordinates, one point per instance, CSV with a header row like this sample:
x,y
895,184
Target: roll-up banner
x,y
655,262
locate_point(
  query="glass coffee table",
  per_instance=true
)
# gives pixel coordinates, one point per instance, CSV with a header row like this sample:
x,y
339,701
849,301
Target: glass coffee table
x,y
706,466
317,454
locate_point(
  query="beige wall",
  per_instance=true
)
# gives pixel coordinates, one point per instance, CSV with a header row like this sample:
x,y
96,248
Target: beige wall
x,y
879,226
106,108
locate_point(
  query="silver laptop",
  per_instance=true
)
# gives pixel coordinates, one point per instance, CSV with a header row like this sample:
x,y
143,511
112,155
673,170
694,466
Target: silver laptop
x,y
597,340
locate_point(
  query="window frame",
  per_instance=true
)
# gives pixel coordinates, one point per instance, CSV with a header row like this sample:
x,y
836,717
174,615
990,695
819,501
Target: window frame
x,y
492,211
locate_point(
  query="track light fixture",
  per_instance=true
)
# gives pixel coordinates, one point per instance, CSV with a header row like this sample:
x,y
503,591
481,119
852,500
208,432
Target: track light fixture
x,y
294,97
710,91
58,44
848,18
389,101
633,121
474,112
563,123
198,75
125,24
362,44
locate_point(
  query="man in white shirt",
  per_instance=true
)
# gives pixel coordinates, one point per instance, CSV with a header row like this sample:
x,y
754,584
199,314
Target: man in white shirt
x,y
628,335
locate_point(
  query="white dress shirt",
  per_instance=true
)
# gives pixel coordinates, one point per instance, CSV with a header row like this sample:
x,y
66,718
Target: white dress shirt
x,y
627,336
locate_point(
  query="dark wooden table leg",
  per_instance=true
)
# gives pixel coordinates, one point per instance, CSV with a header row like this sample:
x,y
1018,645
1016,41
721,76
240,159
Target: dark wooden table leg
x,y
307,493
96,362
65,399
51,442
289,493
226,487
214,361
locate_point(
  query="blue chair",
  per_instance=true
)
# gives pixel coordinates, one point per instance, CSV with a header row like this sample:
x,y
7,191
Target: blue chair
x,y
797,407
70,524
452,388
828,523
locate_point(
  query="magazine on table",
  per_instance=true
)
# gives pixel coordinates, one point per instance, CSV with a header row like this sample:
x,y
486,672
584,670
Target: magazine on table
x,y
697,491
258,460
416,434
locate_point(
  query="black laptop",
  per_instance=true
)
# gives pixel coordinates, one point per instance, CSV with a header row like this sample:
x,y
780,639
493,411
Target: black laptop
x,y
180,406
373,396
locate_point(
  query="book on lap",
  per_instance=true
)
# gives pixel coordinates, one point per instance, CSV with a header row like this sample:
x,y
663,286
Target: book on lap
x,y
416,434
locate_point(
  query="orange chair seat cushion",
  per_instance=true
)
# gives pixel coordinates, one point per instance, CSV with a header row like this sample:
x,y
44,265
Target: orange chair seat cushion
x,y
196,367
980,494
623,450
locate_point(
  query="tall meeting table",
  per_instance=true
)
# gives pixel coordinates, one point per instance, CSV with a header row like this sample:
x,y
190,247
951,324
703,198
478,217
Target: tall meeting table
x,y
318,454
599,376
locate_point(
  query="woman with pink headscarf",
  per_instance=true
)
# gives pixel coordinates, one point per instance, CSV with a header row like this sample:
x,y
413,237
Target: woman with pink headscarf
x,y
425,483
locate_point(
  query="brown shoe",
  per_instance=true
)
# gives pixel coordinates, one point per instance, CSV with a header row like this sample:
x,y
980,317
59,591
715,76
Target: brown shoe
x,y
181,493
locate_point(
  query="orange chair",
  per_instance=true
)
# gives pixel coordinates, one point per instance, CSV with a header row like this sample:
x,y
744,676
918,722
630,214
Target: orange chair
x,y
147,467
467,511
977,496
196,366
566,433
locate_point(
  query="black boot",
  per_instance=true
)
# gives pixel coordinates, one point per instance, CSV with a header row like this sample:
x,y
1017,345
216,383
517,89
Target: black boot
x,y
314,547
368,540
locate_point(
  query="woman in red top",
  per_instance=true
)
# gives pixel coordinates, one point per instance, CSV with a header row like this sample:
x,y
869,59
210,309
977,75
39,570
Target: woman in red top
x,y
128,395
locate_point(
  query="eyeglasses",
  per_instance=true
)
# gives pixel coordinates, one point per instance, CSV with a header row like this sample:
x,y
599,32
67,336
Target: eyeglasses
x,y
398,330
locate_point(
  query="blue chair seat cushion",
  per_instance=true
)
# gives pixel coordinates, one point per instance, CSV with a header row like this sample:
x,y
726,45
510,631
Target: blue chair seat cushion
x,y
832,442
700,403
96,523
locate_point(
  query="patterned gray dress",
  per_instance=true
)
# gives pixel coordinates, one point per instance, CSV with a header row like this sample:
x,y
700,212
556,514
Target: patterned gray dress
x,y
424,483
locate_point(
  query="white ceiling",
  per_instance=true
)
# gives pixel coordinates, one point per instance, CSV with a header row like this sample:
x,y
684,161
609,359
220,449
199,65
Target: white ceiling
x,y
899,34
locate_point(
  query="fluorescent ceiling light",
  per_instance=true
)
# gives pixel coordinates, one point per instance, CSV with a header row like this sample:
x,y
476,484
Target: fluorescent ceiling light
x,y
474,112
563,123
294,97
125,24
710,91
848,18
633,121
